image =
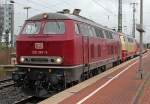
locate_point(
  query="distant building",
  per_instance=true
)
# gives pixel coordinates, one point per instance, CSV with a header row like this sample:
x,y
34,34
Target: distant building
x,y
7,22
1,21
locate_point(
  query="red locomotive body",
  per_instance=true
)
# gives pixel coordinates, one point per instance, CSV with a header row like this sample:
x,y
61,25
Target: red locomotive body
x,y
47,45
69,45
56,50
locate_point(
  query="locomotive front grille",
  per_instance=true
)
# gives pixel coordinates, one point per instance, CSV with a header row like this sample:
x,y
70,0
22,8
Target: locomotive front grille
x,y
40,60
44,60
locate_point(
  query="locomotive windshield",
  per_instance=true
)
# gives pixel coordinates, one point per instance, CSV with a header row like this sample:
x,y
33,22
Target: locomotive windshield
x,y
54,28
50,28
32,28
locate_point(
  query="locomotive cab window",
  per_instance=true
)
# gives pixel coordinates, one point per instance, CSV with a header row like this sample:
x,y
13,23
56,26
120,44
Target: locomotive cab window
x,y
32,28
54,28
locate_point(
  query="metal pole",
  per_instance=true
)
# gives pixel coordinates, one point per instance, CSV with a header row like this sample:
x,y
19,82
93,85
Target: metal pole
x,y
134,10
12,25
0,23
27,13
133,31
27,8
120,16
141,40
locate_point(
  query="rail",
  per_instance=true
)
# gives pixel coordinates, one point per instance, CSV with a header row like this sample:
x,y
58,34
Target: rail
x,y
6,83
29,99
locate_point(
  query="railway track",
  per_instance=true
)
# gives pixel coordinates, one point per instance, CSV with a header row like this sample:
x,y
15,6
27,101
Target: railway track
x,y
29,100
9,94
6,83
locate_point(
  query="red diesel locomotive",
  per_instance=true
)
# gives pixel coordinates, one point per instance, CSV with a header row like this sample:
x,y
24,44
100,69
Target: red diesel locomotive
x,y
56,50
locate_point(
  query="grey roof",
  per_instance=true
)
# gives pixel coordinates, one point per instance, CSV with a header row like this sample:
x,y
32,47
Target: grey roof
x,y
50,16
60,16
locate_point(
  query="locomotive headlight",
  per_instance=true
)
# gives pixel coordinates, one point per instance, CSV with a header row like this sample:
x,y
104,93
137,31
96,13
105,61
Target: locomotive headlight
x,y
59,60
22,59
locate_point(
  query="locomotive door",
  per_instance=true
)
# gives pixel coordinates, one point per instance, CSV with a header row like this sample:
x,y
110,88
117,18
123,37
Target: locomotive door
x,y
85,48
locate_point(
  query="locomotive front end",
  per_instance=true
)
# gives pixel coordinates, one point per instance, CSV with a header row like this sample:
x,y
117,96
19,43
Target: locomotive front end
x,y
42,54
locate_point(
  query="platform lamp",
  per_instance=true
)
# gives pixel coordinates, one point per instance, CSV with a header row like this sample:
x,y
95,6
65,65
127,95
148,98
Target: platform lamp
x,y
27,8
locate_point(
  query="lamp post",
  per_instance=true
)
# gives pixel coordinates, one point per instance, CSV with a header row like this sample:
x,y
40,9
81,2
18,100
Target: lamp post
x,y
12,24
27,8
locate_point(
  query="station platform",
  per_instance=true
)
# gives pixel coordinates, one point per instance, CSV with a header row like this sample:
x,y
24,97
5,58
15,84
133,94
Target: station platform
x,y
7,66
119,85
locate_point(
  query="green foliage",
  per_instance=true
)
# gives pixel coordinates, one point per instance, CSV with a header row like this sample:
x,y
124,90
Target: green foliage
x,y
3,46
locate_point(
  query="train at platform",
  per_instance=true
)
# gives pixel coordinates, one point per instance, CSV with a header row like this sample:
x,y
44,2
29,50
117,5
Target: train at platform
x,y
58,50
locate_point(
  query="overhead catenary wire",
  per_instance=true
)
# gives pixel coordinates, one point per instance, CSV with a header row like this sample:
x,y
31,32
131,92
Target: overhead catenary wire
x,y
113,4
41,5
50,7
106,9
23,5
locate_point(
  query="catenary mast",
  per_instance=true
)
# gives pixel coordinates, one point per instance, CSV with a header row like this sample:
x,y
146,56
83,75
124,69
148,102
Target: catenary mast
x,y
120,16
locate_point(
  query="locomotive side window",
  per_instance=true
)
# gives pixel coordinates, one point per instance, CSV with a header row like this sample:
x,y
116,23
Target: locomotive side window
x,y
32,28
107,34
54,28
90,31
77,29
99,33
93,31
86,30
81,26
111,35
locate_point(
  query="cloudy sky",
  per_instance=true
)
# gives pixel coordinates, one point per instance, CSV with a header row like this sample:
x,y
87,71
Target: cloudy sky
x,y
104,12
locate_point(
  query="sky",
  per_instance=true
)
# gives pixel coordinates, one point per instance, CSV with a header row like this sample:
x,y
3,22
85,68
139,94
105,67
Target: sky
x,y
104,12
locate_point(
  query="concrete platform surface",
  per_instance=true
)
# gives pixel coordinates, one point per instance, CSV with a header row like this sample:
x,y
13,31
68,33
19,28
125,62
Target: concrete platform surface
x,y
119,85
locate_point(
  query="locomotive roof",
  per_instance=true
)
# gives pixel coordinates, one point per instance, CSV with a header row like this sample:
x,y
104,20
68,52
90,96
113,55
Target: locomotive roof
x,y
60,16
